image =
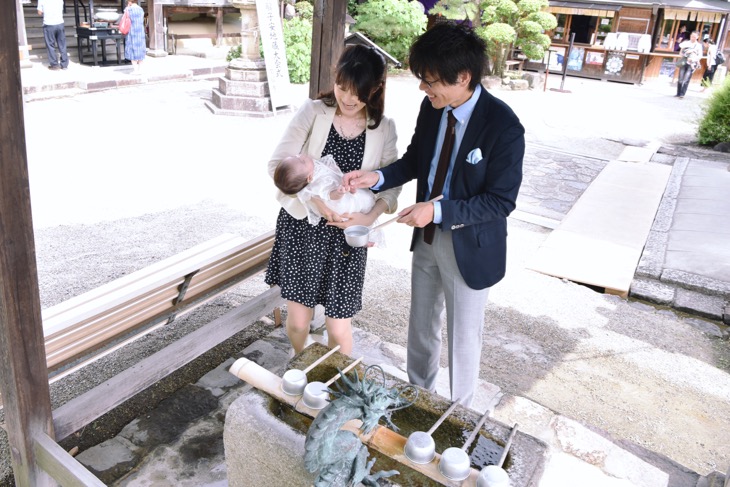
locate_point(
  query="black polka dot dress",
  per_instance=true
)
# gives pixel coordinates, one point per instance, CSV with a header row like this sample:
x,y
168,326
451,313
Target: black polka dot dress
x,y
312,264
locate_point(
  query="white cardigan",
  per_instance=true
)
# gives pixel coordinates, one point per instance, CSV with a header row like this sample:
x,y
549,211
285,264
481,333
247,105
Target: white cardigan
x,y
307,134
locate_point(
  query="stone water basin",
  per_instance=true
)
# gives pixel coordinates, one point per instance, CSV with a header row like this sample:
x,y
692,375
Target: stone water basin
x,y
281,422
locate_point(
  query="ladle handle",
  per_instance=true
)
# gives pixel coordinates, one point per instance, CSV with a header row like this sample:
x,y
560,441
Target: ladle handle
x,y
396,218
343,372
321,359
479,425
507,445
442,418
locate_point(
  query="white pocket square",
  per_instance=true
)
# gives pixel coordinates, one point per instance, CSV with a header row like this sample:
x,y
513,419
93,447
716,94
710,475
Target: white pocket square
x,y
474,156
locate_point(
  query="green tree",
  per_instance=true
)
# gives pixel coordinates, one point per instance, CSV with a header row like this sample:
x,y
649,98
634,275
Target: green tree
x,y
391,24
504,24
298,41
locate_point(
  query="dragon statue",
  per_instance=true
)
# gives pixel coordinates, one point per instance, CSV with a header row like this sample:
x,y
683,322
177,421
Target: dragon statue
x,y
339,456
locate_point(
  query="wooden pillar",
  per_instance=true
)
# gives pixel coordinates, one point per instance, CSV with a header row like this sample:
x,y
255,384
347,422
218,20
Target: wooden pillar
x,y
22,35
23,374
156,28
219,26
328,41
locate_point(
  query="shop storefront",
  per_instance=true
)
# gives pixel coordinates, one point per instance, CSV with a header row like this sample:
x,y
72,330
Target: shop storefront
x,y
630,42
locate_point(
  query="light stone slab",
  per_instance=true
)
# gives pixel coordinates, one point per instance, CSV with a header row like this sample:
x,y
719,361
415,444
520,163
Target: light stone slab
x,y
600,241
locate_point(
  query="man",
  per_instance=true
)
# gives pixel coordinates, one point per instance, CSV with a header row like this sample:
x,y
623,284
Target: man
x,y
54,32
467,250
691,53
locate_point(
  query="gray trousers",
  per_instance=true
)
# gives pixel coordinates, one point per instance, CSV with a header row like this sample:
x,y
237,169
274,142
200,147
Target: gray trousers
x,y
437,285
55,37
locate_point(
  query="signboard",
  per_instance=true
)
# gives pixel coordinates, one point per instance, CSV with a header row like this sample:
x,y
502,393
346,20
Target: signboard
x,y
272,40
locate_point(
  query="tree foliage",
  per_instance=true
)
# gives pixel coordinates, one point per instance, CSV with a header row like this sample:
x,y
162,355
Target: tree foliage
x,y
504,24
391,24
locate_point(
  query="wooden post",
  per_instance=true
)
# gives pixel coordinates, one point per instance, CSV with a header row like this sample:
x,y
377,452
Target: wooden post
x,y
219,26
22,34
328,41
157,31
23,375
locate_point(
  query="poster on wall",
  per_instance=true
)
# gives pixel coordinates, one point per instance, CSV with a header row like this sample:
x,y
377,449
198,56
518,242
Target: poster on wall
x,y
575,59
556,56
615,63
594,57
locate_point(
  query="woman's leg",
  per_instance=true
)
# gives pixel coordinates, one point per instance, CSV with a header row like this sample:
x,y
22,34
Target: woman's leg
x,y
298,319
339,332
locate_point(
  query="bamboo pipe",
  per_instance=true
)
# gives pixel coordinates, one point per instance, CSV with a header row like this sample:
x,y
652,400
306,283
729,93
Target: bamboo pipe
x,y
381,439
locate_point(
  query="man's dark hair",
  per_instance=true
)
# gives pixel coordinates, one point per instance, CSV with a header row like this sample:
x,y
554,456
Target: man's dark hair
x,y
287,179
447,49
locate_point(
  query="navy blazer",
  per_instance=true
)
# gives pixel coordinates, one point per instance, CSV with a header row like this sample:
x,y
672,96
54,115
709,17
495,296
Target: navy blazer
x,y
481,195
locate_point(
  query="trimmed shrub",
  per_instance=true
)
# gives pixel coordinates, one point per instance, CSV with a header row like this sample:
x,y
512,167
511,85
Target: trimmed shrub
x,y
715,125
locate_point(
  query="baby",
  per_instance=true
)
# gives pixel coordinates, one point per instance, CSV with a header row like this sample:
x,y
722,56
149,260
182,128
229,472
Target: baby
x,y
306,177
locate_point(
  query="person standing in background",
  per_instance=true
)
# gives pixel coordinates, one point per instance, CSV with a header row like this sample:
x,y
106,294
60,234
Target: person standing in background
x,y
711,64
135,44
691,53
54,33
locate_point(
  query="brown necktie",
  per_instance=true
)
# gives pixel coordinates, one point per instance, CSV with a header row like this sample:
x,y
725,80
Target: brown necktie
x,y
441,169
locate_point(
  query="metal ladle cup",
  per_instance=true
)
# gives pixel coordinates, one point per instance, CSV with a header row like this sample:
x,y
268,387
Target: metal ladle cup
x,y
455,463
495,475
294,380
420,447
315,393
359,235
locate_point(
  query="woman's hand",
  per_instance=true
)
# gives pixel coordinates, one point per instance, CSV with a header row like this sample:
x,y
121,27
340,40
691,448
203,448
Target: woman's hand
x,y
324,210
349,219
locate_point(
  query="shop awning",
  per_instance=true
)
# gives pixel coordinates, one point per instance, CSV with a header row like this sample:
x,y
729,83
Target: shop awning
x,y
692,15
579,8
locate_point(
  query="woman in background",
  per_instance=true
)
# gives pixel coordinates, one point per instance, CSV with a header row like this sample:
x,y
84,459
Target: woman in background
x,y
711,49
135,45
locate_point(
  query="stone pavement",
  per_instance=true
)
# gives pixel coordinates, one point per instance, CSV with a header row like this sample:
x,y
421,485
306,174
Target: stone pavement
x,y
181,442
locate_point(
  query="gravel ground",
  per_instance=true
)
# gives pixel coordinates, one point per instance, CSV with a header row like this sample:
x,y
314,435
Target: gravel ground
x,y
642,373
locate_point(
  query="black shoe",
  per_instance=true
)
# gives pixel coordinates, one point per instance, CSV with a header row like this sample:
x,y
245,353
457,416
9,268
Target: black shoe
x,y
54,68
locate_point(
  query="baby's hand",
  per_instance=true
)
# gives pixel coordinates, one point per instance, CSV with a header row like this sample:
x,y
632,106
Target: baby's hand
x,y
336,194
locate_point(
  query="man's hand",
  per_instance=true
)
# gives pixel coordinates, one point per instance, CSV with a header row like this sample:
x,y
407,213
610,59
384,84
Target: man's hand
x,y
418,215
359,179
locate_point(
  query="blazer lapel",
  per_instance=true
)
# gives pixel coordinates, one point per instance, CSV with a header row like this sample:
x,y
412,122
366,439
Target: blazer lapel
x,y
474,133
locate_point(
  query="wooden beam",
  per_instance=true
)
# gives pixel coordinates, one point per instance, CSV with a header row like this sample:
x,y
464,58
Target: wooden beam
x,y
23,377
87,407
67,471
328,41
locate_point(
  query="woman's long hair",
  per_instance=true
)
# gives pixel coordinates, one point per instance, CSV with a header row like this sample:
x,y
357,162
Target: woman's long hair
x,y
361,70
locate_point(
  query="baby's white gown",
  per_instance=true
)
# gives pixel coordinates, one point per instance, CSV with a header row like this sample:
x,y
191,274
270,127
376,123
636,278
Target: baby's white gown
x,y
327,178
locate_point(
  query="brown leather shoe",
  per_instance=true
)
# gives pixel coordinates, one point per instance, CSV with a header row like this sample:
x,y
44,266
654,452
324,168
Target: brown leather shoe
x,y
54,68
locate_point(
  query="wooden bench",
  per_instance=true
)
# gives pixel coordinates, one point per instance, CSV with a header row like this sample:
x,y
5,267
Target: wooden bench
x,y
78,329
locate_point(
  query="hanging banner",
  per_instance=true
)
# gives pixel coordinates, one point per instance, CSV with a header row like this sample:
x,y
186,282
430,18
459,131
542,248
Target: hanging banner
x,y
272,40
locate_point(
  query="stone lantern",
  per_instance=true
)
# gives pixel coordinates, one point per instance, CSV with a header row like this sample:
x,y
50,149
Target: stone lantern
x,y
244,90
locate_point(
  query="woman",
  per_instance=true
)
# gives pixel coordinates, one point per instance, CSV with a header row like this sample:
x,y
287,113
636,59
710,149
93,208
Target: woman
x,y
312,263
690,55
709,74
134,42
